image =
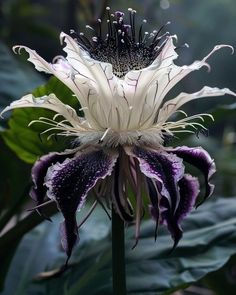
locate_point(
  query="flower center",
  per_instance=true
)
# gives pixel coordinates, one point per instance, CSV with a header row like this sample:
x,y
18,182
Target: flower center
x,y
125,46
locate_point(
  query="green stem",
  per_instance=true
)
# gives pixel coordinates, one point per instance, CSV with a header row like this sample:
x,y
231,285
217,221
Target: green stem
x,y
118,255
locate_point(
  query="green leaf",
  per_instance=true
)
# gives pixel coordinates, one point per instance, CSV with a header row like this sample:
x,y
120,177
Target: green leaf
x,y
223,281
10,240
13,183
41,247
26,141
209,241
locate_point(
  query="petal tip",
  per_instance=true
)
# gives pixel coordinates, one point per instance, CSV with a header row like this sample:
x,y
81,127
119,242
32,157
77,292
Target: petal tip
x,y
17,49
218,47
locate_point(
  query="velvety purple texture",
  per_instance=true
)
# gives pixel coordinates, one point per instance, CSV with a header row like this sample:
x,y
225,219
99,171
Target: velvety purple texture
x,y
38,173
199,158
189,189
165,168
68,184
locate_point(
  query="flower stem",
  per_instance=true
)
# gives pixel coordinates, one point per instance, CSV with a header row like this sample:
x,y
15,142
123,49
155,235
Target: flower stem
x,y
118,255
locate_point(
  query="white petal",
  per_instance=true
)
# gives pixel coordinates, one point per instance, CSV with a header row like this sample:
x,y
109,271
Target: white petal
x,y
79,84
174,104
137,81
50,102
151,84
99,73
172,74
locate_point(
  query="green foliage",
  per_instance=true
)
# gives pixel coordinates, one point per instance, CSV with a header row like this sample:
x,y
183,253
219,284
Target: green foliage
x,y
26,142
24,16
223,281
208,242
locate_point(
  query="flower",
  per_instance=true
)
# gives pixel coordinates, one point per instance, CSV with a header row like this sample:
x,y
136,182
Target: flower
x,y
120,81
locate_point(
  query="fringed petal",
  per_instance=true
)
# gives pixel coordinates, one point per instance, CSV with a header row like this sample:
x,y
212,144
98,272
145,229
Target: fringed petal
x,y
171,106
69,182
64,71
149,86
199,158
50,102
39,172
167,169
96,71
188,189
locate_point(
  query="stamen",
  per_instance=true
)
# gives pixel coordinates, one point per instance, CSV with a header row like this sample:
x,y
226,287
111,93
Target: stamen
x,y
88,214
104,135
122,46
41,205
89,27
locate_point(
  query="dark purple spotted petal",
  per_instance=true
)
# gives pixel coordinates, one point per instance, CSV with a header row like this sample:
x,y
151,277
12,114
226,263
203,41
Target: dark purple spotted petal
x,y
69,182
199,158
39,171
166,168
189,189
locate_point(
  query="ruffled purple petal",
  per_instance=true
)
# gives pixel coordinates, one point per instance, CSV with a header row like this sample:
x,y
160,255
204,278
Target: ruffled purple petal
x,y
69,182
39,171
189,189
166,168
199,158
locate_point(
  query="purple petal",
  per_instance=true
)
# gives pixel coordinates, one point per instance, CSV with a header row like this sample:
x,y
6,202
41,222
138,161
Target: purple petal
x,y
69,182
39,171
199,158
189,189
166,168
69,234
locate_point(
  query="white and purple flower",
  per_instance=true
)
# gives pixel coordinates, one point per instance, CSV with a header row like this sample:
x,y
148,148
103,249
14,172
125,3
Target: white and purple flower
x,y
121,82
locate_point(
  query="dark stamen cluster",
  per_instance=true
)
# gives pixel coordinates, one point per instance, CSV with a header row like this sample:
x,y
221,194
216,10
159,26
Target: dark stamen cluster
x,y
125,46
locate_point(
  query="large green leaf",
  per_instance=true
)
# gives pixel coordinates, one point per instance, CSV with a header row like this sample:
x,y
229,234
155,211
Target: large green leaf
x,y
223,281
26,141
208,242
14,178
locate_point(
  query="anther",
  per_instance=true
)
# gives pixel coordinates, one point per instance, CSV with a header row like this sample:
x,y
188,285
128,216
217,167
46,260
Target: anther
x,y
89,27
119,39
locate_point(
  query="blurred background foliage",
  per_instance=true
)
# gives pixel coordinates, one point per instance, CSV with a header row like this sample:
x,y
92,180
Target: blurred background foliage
x,y
30,249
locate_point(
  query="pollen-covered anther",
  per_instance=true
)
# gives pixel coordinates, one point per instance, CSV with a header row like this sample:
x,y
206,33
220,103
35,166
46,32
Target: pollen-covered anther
x,y
124,45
